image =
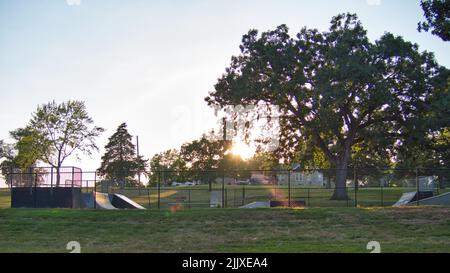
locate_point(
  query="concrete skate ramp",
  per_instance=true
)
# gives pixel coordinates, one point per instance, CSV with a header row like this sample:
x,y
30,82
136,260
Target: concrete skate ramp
x,y
256,205
410,197
439,200
122,202
405,199
103,201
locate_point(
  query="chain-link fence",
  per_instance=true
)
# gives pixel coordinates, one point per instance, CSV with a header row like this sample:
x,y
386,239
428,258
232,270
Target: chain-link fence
x,y
311,188
238,188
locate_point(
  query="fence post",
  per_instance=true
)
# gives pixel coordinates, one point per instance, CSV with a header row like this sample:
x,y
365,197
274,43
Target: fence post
x,y
308,204
382,196
34,189
95,190
223,188
417,187
11,173
159,189
243,195
72,176
289,188
148,196
189,198
51,178
226,198
356,187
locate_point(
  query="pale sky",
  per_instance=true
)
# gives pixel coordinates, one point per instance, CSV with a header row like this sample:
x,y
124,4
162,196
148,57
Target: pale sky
x,y
151,63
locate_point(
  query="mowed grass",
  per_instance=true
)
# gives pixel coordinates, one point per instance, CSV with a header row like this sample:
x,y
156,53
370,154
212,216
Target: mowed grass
x,y
412,229
5,198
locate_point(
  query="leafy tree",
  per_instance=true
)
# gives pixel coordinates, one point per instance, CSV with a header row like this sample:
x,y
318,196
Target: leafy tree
x,y
263,160
120,163
7,154
233,166
22,155
60,130
206,156
332,87
168,166
203,154
437,15
27,146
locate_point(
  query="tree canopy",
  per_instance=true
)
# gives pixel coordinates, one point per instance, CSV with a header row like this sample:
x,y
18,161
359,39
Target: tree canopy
x,y
335,88
437,15
61,130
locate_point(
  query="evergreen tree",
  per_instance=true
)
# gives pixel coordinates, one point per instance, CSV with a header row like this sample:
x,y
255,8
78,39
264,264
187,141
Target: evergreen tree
x,y
120,163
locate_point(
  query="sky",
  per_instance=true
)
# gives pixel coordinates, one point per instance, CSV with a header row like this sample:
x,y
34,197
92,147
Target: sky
x,y
151,63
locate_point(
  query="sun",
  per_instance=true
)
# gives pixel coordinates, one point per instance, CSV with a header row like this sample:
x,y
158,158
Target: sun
x,y
243,150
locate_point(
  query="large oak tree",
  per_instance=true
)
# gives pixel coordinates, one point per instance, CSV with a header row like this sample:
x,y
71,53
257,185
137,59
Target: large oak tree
x,y
333,87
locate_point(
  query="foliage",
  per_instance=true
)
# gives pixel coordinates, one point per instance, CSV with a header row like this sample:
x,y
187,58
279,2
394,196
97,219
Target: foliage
x,y
168,166
332,88
23,155
263,161
437,15
61,130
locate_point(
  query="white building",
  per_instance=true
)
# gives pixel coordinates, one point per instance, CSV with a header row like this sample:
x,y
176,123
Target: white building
x,y
304,178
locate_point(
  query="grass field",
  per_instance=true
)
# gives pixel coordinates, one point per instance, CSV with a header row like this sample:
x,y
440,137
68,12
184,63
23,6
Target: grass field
x,y
5,198
415,229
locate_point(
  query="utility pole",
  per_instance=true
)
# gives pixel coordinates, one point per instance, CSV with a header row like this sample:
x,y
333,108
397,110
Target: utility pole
x,y
139,169
223,166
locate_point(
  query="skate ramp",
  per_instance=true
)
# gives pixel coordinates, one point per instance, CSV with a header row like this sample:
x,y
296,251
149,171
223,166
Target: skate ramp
x,y
409,197
256,205
122,202
439,200
103,201
405,199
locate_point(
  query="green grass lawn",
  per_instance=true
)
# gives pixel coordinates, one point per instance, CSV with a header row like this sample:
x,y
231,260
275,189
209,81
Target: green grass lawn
x,y
414,229
5,198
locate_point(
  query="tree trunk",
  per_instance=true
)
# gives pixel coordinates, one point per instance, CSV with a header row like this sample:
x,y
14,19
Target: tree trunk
x,y
58,169
58,176
340,190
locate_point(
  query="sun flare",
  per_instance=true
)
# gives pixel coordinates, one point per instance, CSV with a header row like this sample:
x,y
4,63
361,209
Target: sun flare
x,y
245,151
